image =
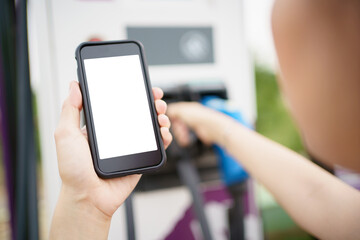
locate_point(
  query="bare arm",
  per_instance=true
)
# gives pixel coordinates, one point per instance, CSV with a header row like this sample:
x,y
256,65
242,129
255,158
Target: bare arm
x,y
319,202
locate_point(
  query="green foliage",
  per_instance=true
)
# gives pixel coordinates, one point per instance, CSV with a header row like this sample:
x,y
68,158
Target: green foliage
x,y
274,120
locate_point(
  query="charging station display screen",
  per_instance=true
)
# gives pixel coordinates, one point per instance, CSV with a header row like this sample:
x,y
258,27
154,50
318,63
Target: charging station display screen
x,y
120,108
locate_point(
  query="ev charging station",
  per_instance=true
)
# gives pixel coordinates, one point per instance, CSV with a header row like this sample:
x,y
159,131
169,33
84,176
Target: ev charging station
x,y
192,42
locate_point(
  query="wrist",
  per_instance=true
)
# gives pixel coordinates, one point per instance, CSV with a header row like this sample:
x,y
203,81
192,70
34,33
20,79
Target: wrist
x,y
225,129
75,217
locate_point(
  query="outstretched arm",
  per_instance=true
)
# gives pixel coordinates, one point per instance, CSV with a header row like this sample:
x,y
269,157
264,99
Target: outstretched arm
x,y
318,201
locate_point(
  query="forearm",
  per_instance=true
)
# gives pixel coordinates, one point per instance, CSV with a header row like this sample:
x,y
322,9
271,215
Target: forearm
x,y
319,202
74,218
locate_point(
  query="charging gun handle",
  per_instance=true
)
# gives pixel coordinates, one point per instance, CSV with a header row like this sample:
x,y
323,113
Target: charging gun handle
x,y
190,177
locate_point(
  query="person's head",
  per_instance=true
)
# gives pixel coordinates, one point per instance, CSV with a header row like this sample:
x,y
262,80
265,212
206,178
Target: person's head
x,y
318,47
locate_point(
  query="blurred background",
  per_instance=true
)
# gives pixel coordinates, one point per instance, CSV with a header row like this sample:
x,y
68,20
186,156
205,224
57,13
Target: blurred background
x,y
221,48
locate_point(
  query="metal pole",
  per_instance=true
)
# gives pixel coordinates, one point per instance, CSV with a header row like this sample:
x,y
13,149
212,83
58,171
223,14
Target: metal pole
x,y
130,225
8,101
26,186
236,212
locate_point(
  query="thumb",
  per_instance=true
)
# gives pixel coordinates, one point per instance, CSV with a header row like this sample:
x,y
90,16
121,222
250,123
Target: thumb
x,y
70,114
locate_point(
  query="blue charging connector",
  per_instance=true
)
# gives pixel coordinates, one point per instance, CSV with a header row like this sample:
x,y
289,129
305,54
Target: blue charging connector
x,y
231,171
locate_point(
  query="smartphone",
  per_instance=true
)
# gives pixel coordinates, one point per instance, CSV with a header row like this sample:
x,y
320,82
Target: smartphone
x,y
120,115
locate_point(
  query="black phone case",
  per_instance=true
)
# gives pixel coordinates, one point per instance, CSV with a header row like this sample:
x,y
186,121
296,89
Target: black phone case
x,y
89,120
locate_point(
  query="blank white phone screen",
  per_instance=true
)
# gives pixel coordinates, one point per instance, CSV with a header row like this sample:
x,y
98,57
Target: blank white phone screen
x,y
119,104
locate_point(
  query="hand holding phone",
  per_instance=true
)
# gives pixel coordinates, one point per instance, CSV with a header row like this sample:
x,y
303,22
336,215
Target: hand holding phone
x,y
87,202
121,120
